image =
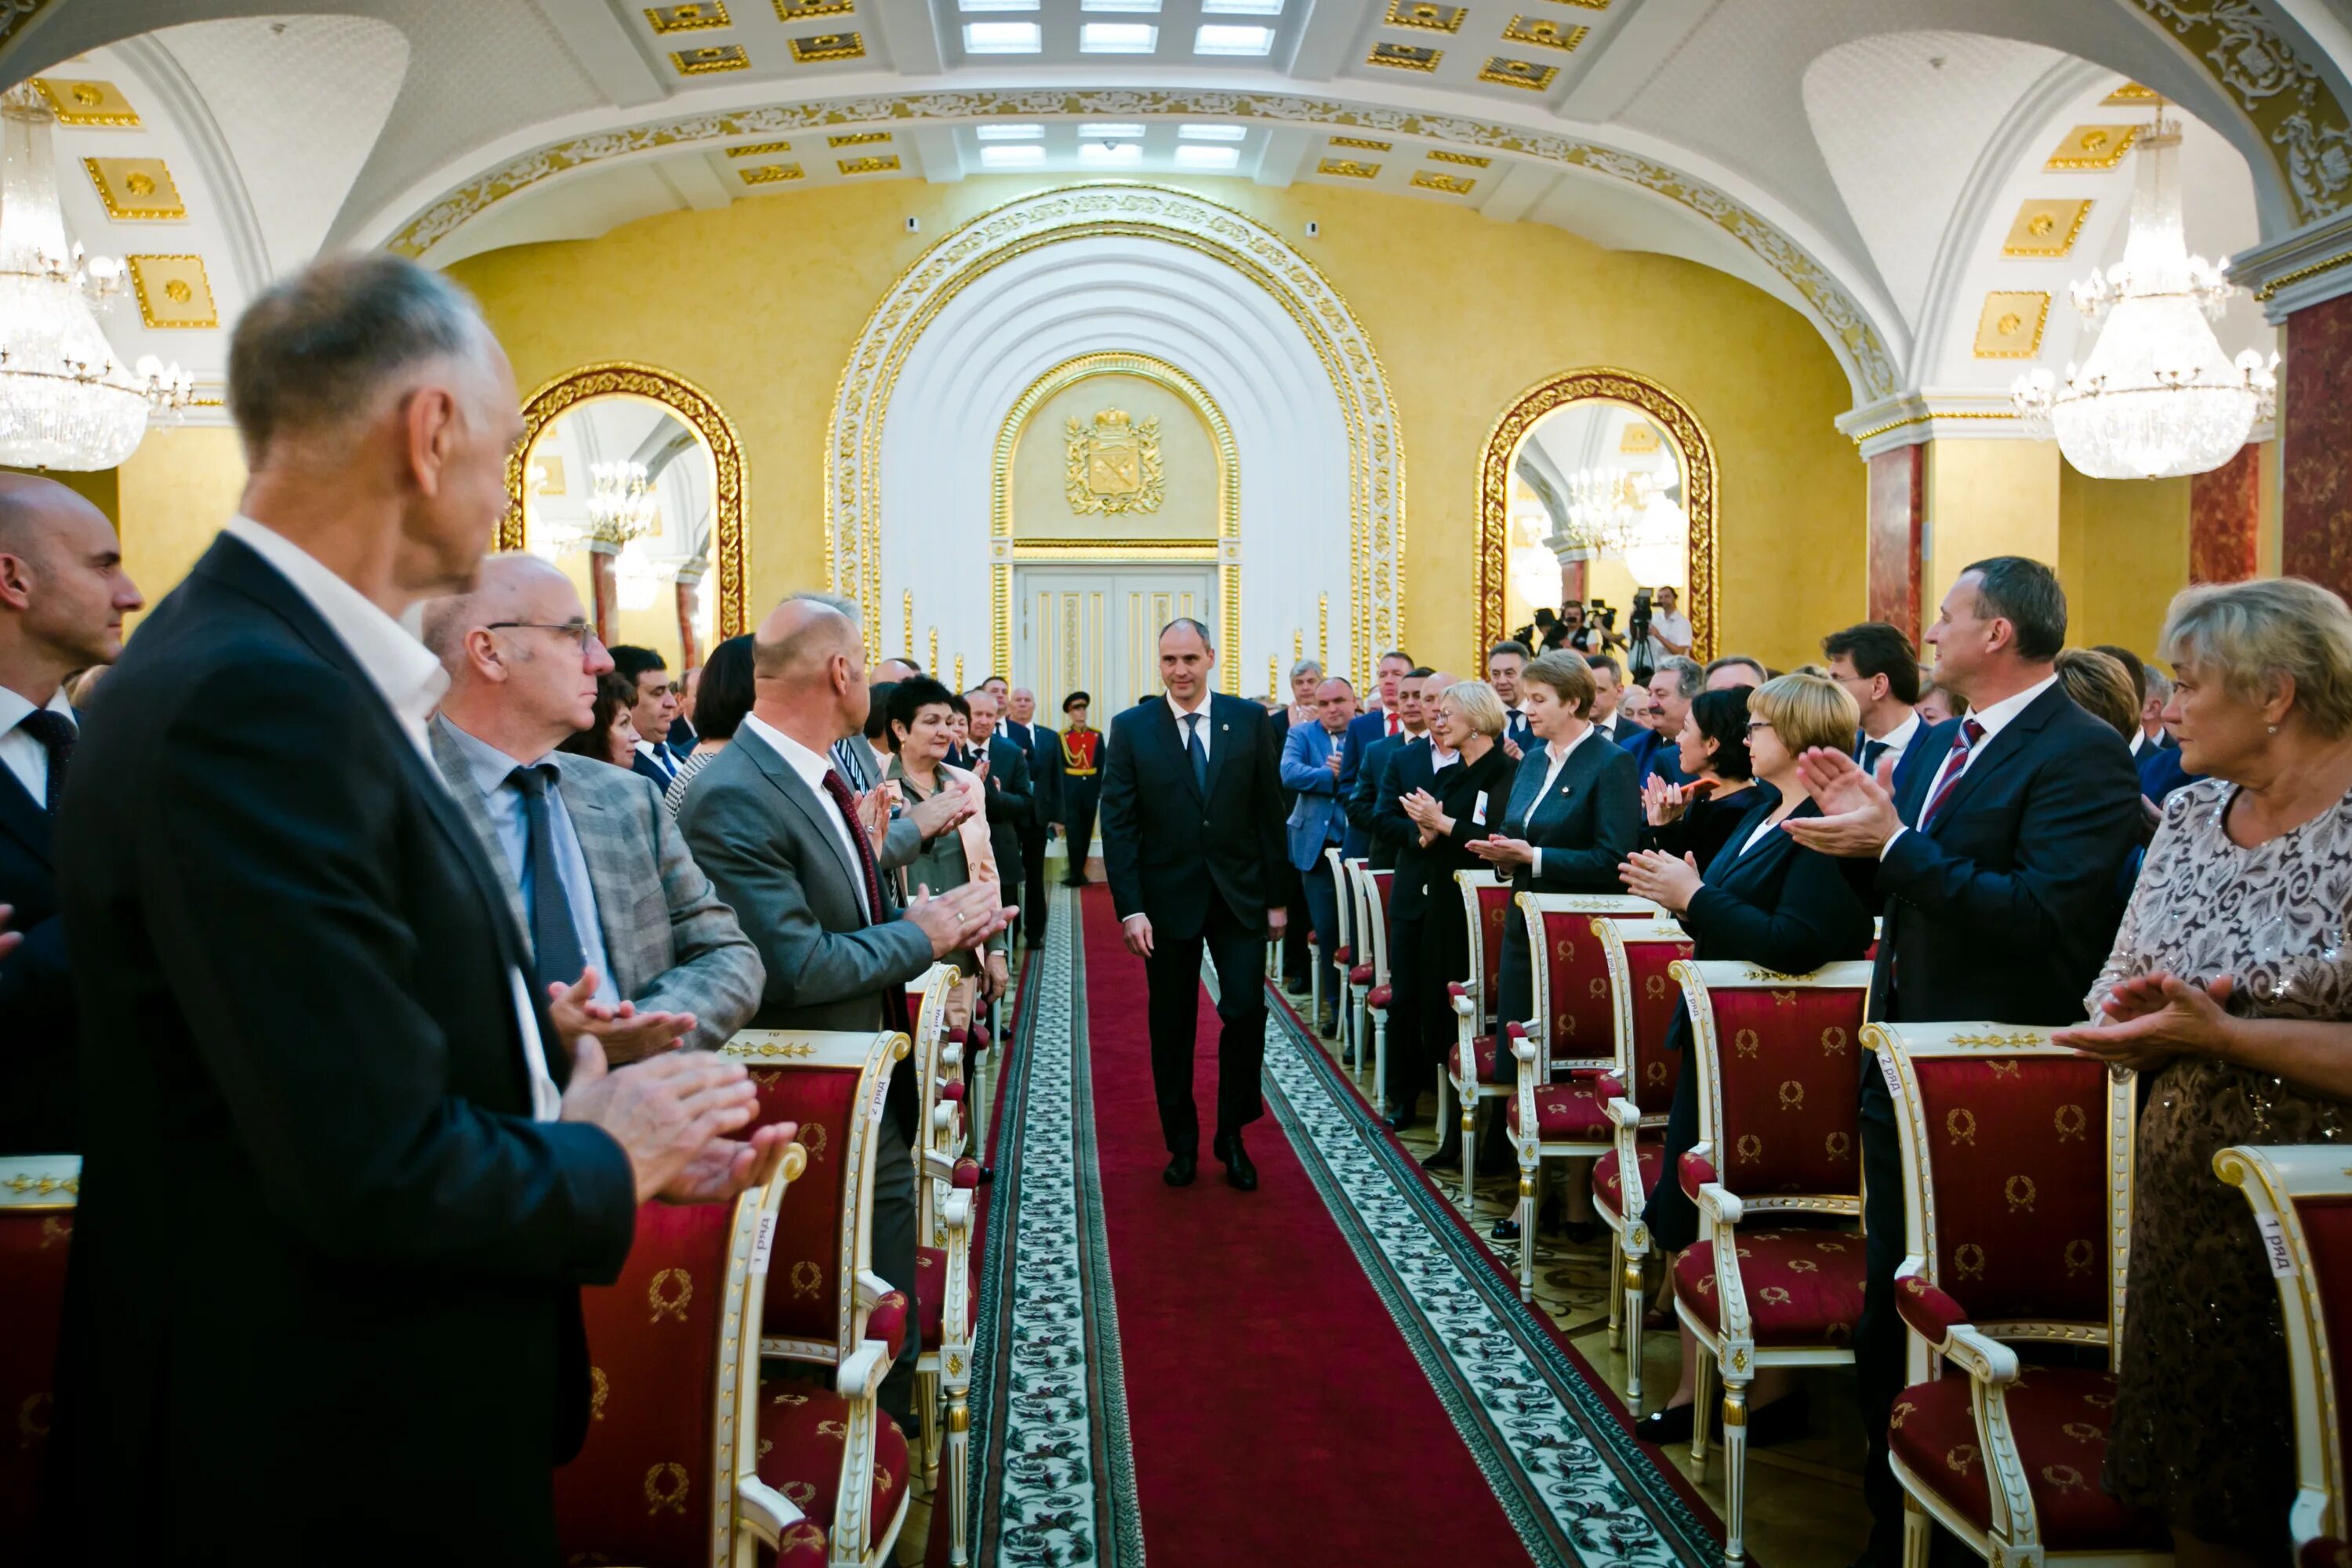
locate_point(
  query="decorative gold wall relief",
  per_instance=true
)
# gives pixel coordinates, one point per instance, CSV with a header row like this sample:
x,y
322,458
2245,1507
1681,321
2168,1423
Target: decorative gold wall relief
x,y
1114,464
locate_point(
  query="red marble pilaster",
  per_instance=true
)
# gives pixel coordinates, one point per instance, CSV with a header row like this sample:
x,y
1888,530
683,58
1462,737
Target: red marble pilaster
x,y
689,655
1898,508
606,608
2225,511
2315,430
1572,582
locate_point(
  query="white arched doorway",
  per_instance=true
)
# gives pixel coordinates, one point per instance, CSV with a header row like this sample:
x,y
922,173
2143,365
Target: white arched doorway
x,y
1165,276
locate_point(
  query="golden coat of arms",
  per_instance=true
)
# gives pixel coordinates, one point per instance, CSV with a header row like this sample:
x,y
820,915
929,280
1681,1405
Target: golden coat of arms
x,y
1115,465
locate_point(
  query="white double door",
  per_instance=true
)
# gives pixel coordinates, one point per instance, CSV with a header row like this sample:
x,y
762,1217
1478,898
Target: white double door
x,y
1095,630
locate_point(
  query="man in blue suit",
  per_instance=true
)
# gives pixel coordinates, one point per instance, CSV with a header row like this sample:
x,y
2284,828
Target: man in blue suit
x,y
1880,670
1312,755
1385,721
1366,835
2000,860
654,712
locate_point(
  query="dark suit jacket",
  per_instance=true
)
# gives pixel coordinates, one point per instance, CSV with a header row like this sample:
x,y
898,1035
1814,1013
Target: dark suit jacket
x,y
645,767
2160,773
1408,767
1043,748
1012,807
1585,826
2005,905
1365,730
37,1098
1654,754
1161,832
319,1236
1379,845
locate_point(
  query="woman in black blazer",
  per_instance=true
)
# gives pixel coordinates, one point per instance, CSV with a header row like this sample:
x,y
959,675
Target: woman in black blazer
x,y
1696,818
1766,900
1462,805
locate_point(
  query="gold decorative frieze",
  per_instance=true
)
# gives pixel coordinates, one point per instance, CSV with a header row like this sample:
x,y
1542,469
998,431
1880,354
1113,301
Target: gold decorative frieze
x,y
1364,142
1452,185
1429,17
771,174
1346,169
884,163
2091,148
857,139
2045,227
760,150
2131,94
86,103
691,18
1544,33
135,189
1467,160
805,10
824,47
712,58
2010,326
1404,57
1504,71
173,292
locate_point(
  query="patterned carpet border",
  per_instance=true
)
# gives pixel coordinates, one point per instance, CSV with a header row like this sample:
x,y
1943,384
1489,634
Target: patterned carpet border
x,y
1053,1473
1573,1482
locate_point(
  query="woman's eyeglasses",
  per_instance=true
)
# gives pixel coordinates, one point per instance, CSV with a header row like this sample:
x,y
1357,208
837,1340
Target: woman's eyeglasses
x,y
1756,724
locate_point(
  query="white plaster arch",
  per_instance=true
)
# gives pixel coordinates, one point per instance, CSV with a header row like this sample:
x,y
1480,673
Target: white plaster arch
x,y
1109,267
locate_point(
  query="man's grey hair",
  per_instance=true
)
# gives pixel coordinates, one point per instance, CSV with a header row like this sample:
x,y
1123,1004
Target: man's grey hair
x,y
1690,676
1303,666
317,348
447,621
2159,685
1198,629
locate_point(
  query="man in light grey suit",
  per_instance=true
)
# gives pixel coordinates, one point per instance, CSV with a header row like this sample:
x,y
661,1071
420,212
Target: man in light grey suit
x,y
791,849
631,941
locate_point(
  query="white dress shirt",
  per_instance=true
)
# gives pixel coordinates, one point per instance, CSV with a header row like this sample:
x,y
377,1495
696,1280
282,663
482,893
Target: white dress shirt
x,y
1559,756
1201,729
1896,740
811,767
659,757
1992,720
410,681
19,753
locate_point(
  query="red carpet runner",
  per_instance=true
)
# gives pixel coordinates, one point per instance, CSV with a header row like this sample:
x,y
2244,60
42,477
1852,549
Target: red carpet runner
x,y
1277,1416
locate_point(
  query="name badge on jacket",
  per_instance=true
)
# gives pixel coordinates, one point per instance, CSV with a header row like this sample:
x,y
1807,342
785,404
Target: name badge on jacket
x,y
1479,809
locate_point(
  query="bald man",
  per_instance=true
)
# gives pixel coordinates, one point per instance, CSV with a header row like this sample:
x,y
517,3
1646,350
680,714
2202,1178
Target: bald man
x,y
586,847
63,595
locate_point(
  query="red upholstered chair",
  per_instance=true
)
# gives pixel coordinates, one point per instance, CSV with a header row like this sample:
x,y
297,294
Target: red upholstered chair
x,y
2302,1198
37,1194
1474,1065
1371,893
1778,1097
945,1301
2017,1161
1564,1056
823,1305
1642,956
1351,999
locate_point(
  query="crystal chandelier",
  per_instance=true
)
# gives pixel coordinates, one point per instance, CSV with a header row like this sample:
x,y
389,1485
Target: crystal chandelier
x,y
65,401
1605,507
2157,397
620,506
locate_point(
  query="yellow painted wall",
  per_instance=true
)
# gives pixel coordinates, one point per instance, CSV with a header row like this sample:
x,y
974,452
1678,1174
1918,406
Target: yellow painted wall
x,y
2123,554
97,488
760,302
1988,498
176,490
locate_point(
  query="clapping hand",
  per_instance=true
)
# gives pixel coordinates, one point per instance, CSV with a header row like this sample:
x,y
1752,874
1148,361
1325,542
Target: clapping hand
x,y
1661,878
1858,815
671,1116
945,810
625,1034
873,813
1501,852
2152,1018
1663,802
1511,749
8,939
962,919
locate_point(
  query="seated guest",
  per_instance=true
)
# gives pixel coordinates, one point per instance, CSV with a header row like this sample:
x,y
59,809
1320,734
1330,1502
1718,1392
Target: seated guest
x,y
791,851
1003,767
1380,841
1768,901
1311,759
63,595
1939,703
1879,669
2245,1025
653,707
723,696
1460,805
1735,670
1673,684
578,846
1696,818
1410,767
922,732
1608,692
612,732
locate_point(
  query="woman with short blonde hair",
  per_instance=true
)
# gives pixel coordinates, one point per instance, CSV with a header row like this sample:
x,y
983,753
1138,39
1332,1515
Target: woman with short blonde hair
x,y
1805,710
2101,686
1481,709
2230,982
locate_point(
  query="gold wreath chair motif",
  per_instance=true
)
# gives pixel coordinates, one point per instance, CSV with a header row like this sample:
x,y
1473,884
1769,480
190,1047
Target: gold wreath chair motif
x,y
1779,1112
1566,1065
1349,1004
945,1186
37,1195
1642,956
2017,1188
1369,888
2302,1202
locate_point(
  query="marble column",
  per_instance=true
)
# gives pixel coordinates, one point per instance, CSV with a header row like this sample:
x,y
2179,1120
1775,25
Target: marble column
x,y
606,610
1897,509
2315,429
2225,507
1572,582
689,588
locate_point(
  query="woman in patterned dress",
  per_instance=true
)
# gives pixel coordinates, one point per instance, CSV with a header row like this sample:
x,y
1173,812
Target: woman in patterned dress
x,y
2231,982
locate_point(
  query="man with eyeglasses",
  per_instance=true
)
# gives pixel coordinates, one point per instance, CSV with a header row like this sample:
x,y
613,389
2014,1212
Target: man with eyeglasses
x,y
583,846
653,712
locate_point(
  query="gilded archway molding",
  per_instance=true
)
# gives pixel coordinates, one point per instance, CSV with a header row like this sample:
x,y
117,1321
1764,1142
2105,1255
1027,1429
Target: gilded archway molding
x,y
1005,550
1118,209
730,484
1699,487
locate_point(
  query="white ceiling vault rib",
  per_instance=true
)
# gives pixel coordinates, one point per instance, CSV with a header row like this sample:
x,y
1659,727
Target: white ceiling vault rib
x,y
603,45
159,73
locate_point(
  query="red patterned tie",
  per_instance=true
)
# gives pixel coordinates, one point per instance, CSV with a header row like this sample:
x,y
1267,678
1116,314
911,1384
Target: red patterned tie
x,y
1954,765
1394,724
894,998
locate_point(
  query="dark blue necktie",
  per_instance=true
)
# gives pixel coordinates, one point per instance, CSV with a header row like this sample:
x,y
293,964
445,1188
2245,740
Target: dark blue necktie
x,y
554,939
1199,751
1871,751
56,733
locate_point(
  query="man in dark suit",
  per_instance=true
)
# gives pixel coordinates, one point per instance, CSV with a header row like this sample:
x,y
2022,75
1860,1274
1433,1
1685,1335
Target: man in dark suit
x,y
682,733
1012,796
63,595
1412,765
1192,815
1608,689
654,712
1880,670
1504,660
334,1220
1383,721
1043,748
2000,864
1366,835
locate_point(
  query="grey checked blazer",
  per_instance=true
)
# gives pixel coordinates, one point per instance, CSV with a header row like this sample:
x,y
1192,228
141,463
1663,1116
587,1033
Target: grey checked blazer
x,y
674,946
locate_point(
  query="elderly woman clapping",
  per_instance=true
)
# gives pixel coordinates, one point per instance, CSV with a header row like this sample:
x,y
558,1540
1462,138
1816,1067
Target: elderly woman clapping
x,y
2232,981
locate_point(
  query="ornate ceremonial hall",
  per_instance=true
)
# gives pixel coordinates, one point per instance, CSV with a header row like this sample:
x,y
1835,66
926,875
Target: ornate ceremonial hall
x,y
1589,355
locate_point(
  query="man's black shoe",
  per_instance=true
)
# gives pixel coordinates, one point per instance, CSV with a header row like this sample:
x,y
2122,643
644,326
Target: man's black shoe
x,y
1239,1172
1180,1170
1504,1230
1397,1121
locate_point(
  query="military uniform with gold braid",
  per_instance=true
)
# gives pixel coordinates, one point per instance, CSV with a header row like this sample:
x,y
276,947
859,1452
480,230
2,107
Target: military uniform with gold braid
x,y
1081,783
